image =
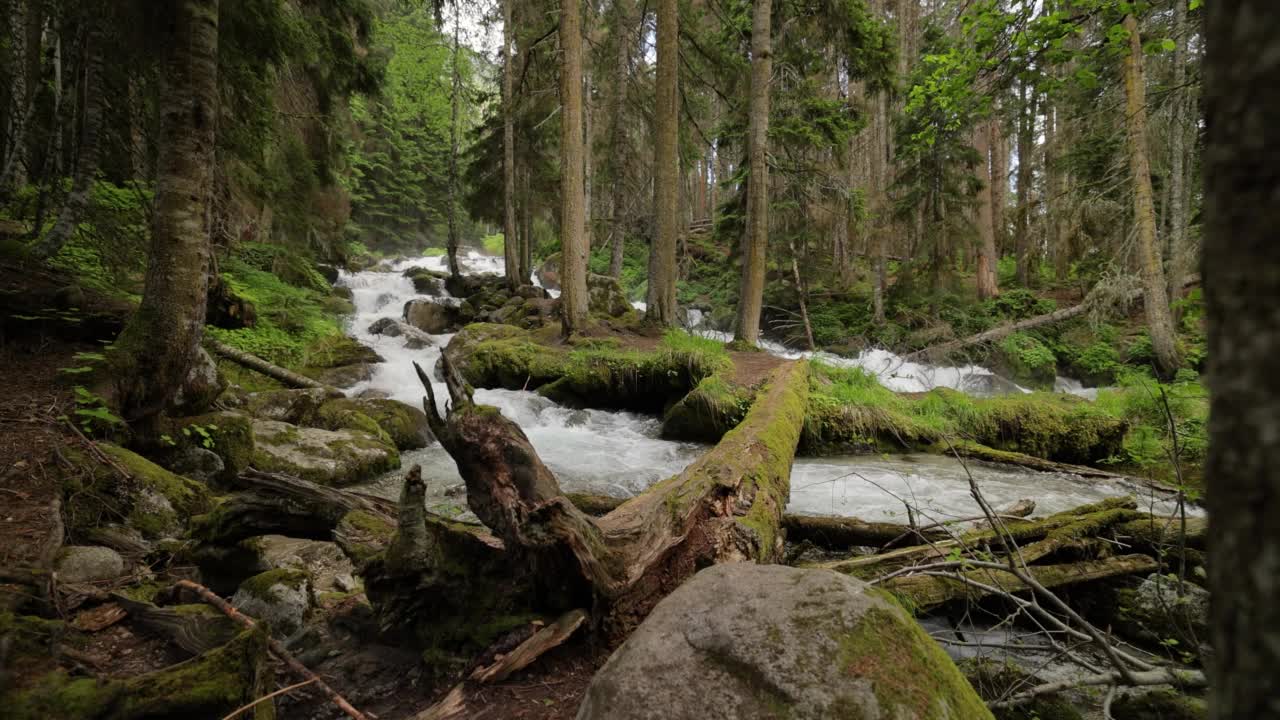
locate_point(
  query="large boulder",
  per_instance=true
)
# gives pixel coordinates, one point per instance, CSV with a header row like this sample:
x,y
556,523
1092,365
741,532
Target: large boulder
x,y
297,406
431,317
327,457
746,641
155,502
427,282
606,296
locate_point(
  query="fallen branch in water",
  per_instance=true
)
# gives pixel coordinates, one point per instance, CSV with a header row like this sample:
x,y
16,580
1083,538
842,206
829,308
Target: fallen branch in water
x,y
276,648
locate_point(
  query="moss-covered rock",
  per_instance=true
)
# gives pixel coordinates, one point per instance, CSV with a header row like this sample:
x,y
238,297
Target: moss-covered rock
x,y
297,406
605,296
281,598
431,317
333,351
405,426
1026,360
767,641
207,686
328,457
227,433
153,501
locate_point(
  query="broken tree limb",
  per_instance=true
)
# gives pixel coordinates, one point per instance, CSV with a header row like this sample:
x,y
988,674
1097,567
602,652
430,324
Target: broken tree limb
x,y
1160,676
275,372
276,648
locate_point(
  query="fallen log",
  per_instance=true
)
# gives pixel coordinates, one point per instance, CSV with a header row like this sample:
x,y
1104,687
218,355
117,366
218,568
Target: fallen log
x,y
929,589
997,333
840,533
726,506
275,372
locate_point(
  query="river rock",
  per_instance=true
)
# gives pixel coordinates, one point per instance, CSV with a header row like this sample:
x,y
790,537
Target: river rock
x,y
430,317
387,326
280,597
89,563
327,457
744,641
344,376
606,296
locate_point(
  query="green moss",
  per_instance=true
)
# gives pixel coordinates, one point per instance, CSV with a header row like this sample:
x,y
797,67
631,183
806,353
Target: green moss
x,y
885,642
210,685
707,412
186,497
401,425
1026,359
260,585
363,535
1159,705
994,680
30,634
230,434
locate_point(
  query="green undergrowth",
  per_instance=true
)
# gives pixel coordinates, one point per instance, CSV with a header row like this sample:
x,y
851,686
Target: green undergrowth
x,y
1167,422
289,317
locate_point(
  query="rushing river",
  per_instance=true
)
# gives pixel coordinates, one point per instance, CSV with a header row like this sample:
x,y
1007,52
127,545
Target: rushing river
x,y
620,454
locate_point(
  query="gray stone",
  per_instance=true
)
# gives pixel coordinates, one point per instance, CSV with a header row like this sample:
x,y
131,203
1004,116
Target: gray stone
x,y
548,273
744,641
344,376
201,387
387,326
1160,604
197,463
328,457
89,563
280,597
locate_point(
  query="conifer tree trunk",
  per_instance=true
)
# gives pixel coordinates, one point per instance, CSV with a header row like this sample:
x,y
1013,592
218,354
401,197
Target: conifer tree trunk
x,y
661,296
154,352
1155,295
1241,273
1174,263
986,273
756,242
526,225
588,158
573,255
455,100
999,185
621,60
1026,141
13,172
510,241
78,200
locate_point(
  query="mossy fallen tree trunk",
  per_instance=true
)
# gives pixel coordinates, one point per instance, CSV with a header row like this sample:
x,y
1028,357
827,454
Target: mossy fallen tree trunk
x,y
726,506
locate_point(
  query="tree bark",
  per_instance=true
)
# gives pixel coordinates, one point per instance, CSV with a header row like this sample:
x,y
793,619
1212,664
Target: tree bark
x,y
1174,263
455,99
154,352
756,242
661,297
1241,261
1026,143
20,100
986,273
1155,292
510,240
90,148
573,253
617,133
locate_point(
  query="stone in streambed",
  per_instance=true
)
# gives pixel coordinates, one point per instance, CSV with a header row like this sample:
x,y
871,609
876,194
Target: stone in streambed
x,y
605,296
292,406
744,641
404,425
328,457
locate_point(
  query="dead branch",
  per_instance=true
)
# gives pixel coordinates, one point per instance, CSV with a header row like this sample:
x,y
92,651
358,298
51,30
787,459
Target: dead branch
x,y
1158,676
